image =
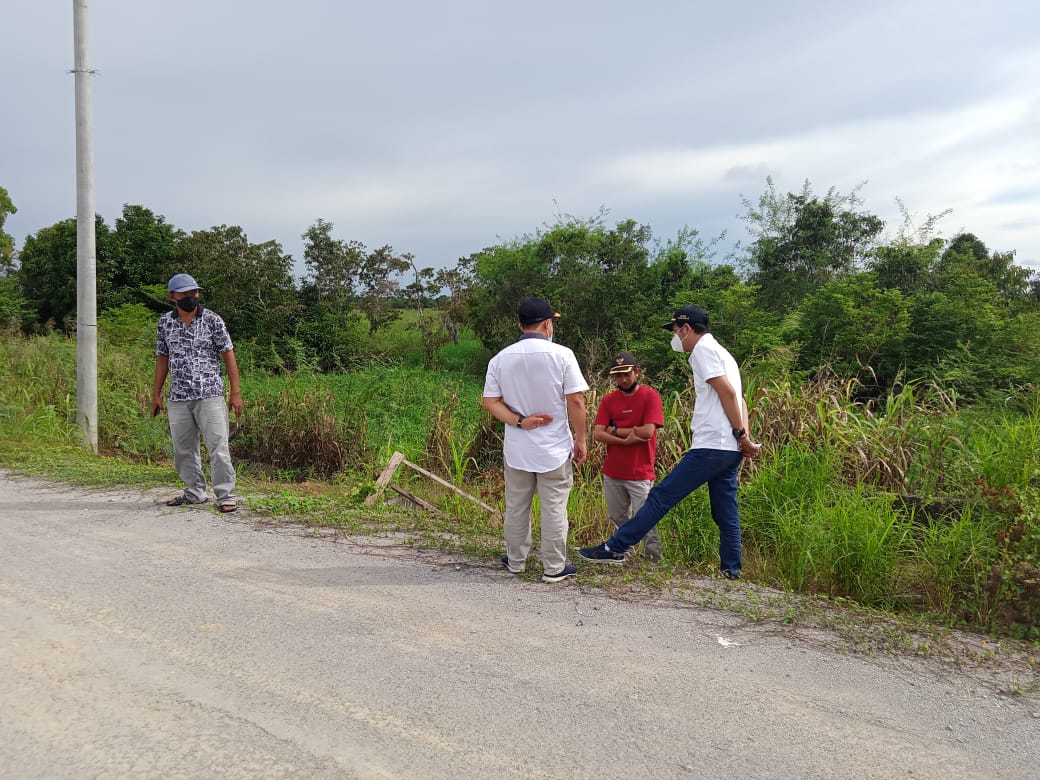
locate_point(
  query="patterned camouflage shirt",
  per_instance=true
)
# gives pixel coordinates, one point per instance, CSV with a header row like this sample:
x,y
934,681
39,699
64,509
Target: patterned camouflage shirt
x,y
194,353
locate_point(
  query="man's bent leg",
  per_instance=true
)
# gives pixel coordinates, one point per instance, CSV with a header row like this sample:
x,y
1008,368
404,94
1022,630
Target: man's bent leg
x,y
554,488
213,420
187,458
516,522
688,475
722,492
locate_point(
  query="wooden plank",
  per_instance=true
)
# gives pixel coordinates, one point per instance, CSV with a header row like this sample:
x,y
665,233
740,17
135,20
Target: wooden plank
x,y
384,478
495,513
416,500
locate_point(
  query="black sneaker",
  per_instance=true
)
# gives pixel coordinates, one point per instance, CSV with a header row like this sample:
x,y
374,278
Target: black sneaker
x,y
505,563
731,575
601,554
565,573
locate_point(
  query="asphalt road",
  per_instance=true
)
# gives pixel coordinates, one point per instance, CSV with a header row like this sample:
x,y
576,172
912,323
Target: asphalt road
x,y
138,641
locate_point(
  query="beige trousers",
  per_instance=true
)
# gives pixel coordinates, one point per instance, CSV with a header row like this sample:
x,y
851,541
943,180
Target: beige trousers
x,y
553,489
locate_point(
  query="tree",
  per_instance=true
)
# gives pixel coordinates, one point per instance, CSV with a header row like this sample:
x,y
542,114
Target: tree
x,y
47,272
424,288
966,254
457,281
599,278
906,267
12,304
855,327
249,285
139,254
333,264
803,241
6,242
378,286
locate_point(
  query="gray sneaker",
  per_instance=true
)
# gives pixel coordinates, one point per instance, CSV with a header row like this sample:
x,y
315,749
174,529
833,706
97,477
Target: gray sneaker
x,y
565,573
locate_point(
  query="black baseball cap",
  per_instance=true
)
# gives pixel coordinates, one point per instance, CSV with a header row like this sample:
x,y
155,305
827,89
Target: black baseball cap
x,y
531,311
622,363
688,315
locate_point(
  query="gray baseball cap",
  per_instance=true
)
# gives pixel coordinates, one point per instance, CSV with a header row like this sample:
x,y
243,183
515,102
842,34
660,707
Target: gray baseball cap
x,y
182,283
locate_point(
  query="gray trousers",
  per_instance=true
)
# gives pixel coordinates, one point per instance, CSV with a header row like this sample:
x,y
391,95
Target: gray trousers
x,y
553,489
624,498
208,417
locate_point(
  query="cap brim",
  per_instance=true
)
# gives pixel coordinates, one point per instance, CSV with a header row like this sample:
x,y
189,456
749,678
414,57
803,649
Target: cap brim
x,y
625,370
668,325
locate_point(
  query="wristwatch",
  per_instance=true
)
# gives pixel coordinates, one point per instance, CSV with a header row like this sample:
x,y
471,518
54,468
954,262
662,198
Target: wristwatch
x,y
520,420
739,433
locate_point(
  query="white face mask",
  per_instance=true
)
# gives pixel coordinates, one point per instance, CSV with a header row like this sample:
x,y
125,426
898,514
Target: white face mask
x,y
677,343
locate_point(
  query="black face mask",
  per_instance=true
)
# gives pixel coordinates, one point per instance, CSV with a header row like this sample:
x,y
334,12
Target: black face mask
x,y
188,304
632,389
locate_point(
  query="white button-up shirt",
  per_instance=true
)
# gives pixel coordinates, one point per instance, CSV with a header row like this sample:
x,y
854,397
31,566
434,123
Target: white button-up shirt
x,y
534,376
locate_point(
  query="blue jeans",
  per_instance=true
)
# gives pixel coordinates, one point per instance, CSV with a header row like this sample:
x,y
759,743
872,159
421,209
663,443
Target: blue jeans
x,y
716,467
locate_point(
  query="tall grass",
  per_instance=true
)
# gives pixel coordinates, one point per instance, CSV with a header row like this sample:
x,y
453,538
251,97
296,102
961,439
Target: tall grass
x,y
905,502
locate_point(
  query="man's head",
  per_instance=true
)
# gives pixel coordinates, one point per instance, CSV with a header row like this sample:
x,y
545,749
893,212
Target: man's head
x,y
536,314
183,291
624,370
689,323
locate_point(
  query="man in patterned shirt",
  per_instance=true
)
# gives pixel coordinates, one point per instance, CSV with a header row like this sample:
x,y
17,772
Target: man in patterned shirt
x,y
190,343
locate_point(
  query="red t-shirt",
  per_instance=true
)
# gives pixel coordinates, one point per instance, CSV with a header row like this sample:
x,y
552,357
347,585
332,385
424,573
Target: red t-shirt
x,y
635,461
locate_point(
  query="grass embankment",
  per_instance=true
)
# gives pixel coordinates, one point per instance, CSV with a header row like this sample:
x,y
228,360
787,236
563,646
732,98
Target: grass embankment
x,y
911,506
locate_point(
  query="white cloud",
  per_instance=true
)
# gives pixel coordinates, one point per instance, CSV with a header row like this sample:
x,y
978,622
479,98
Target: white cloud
x,y
438,128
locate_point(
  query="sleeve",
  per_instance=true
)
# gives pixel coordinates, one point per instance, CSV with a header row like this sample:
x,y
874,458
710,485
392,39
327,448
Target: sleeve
x,y
573,381
708,363
603,414
161,346
654,410
221,337
491,386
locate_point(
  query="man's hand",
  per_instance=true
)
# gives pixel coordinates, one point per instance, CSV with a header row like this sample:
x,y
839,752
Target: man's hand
x,y
536,420
581,450
748,448
235,404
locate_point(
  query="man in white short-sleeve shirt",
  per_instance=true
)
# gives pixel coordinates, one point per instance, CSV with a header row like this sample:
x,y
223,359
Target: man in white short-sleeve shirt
x,y
720,443
536,388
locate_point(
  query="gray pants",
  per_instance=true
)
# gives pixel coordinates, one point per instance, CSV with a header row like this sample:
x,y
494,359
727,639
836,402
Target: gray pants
x,y
208,417
624,499
553,488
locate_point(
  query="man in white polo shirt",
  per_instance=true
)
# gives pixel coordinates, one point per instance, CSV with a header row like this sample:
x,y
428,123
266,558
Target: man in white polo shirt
x,y
720,443
536,388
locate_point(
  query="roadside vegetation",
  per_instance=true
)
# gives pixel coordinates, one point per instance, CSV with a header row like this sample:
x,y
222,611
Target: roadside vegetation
x,y
893,384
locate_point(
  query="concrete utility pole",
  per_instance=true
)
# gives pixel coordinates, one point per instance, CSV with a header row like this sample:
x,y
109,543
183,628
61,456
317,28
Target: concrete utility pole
x,y
86,252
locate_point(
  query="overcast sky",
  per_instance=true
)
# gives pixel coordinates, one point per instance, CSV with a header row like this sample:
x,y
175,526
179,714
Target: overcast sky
x,y
444,127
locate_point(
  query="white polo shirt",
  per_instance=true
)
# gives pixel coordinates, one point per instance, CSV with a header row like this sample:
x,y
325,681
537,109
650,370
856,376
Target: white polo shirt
x,y
533,376
710,425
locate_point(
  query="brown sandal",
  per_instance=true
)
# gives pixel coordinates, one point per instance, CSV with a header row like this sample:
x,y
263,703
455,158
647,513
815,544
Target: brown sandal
x,y
226,508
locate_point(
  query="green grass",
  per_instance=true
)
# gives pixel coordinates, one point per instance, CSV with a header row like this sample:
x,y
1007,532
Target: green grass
x,y
841,505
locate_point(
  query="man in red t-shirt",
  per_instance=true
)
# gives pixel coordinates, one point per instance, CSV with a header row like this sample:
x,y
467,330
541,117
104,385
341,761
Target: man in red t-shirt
x,y
627,422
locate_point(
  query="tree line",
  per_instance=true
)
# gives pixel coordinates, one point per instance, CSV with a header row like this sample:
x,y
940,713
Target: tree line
x,y
816,288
